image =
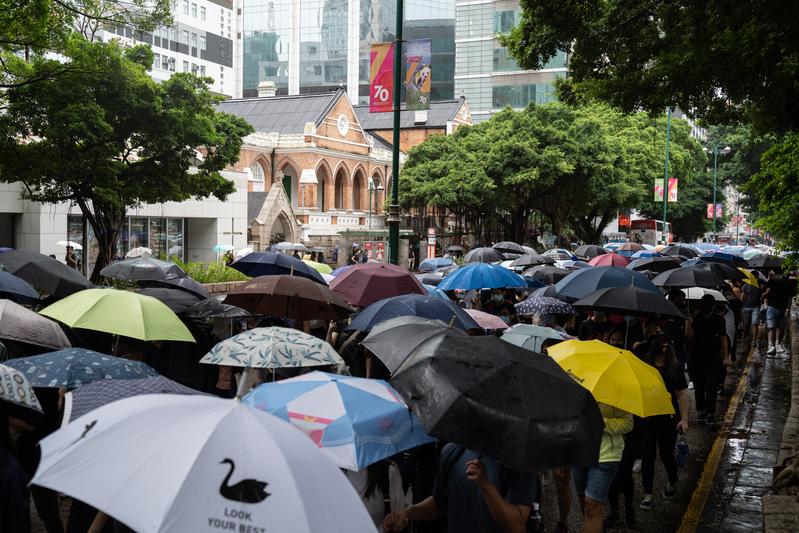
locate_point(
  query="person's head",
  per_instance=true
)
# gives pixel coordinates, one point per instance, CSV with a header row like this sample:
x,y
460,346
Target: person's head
x,y
720,308
69,249
616,338
677,297
660,349
706,304
498,297
599,316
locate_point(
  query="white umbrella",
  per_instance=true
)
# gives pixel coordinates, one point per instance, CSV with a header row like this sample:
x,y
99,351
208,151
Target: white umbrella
x,y
696,293
141,251
164,462
238,254
75,245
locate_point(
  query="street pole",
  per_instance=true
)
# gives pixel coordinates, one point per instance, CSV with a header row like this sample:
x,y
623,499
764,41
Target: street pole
x,y
737,219
666,176
393,210
715,171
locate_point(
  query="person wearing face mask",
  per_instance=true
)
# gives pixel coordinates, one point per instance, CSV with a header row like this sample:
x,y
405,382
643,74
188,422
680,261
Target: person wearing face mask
x,y
499,305
597,326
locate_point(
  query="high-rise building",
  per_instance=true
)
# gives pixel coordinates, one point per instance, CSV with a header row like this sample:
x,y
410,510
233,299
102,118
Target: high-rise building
x,y
315,46
484,71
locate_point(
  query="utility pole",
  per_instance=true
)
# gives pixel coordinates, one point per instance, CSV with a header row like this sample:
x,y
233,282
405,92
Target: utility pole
x,y
666,177
394,210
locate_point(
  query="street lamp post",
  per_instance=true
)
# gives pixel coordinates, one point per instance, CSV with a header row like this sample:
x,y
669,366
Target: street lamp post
x,y
724,151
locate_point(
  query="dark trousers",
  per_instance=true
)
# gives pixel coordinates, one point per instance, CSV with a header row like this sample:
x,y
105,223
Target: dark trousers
x,y
46,502
624,483
706,387
662,437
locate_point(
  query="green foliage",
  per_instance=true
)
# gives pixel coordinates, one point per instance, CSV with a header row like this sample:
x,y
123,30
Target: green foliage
x,y
721,60
210,272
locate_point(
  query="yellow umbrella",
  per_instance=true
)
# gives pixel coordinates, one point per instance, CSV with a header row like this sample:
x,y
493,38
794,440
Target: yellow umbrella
x,y
319,267
614,376
750,278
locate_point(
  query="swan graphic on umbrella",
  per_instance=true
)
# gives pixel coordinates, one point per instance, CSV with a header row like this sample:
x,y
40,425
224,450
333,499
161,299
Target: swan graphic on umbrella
x,y
245,491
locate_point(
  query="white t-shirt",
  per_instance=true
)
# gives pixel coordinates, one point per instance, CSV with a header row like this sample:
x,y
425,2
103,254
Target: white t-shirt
x,y
374,504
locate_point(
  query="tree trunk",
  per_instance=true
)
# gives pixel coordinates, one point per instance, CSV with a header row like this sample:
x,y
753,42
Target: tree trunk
x,y
106,224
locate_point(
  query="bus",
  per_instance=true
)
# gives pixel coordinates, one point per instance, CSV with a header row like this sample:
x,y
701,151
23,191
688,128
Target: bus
x,y
649,231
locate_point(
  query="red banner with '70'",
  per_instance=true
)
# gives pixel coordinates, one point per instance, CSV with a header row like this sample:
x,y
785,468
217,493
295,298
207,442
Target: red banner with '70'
x,y
381,77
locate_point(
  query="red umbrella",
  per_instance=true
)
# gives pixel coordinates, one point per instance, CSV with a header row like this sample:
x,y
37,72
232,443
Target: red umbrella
x,y
368,283
487,320
609,260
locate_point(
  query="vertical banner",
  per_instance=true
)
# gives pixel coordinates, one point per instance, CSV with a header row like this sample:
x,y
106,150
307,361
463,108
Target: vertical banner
x,y
418,60
673,189
709,210
431,242
658,189
381,77
718,211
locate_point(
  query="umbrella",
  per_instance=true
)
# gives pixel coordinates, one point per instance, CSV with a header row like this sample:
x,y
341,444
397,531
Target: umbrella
x,y
455,248
190,465
17,289
532,337
696,293
20,324
72,367
707,247
426,306
140,251
121,313
274,264
483,255
629,248
213,308
533,283
481,276
561,254
430,279
568,264
222,248
367,283
328,278
143,269
510,247
487,321
521,408
641,254
96,394
684,250
533,259
749,277
16,389
549,291
589,251
582,282
433,263
272,347
75,245
723,257
292,297
614,377
542,305
178,301
611,259
289,247
185,284
394,340
654,264
340,270
688,277
356,421
547,274
322,268
765,261
722,270
45,273
241,252
631,301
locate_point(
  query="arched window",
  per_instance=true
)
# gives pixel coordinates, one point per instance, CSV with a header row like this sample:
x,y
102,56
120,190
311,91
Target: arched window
x,y
257,171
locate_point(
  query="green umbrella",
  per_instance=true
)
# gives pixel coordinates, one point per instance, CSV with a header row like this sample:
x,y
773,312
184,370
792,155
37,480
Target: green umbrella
x,y
119,312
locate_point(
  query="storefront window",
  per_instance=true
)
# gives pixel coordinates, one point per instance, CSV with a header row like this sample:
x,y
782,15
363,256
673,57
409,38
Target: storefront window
x,y
174,237
158,237
138,232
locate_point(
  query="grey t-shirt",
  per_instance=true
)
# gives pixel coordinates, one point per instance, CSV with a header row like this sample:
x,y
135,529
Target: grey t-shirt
x,y
467,511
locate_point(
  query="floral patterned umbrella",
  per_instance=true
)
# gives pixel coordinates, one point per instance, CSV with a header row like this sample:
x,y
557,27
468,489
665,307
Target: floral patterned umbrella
x,y
15,388
272,347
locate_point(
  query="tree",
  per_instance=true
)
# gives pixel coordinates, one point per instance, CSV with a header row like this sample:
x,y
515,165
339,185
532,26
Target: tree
x,y
719,60
105,136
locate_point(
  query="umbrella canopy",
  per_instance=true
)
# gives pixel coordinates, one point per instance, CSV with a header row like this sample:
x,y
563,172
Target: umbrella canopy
x,y
631,301
749,277
510,247
542,305
272,347
73,244
185,284
322,268
274,264
427,306
549,291
140,251
583,282
726,258
45,273
532,337
142,269
340,270
589,251
533,283
765,261
483,255
356,421
641,254
292,297
394,340
571,265
289,247
20,324
177,300
654,264
16,389
684,250
547,274
481,276
17,289
455,248
367,283
561,254
121,313
73,367
696,293
522,409
487,321
430,279
222,248
688,277
722,270
611,259
213,308
94,395
190,465
433,263
615,377
534,259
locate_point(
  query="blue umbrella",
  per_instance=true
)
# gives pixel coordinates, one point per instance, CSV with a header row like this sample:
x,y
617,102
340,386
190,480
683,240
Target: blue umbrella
x,y
73,367
433,263
706,246
543,305
356,421
549,291
583,282
641,254
481,276
341,270
691,262
432,307
17,289
274,264
727,259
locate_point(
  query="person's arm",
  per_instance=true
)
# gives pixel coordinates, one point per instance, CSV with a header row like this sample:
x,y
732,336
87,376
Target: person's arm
x,y
511,518
99,522
689,327
369,365
426,510
619,425
725,350
682,399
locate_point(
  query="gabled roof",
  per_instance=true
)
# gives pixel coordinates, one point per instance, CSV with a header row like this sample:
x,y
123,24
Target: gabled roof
x,y
438,115
282,114
255,201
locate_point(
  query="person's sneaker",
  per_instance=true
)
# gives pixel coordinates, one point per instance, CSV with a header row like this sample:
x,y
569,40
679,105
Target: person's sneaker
x,y
780,348
700,417
710,419
637,466
670,492
647,503
629,518
771,349
612,520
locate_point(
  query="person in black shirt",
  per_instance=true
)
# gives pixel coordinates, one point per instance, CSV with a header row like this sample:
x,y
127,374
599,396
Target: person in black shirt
x,y
751,298
709,354
778,294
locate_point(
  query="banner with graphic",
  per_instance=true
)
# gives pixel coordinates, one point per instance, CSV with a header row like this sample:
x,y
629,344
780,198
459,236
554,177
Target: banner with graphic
x,y
418,73
673,189
381,77
719,211
658,189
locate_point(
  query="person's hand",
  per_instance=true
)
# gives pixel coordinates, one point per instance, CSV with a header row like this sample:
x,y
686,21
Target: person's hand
x,y
727,361
476,472
682,426
396,520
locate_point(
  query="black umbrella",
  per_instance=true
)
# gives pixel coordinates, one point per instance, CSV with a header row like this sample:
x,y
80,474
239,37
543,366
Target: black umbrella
x,y
547,273
176,299
515,406
685,277
507,246
416,305
45,273
589,251
274,264
722,270
549,292
726,258
186,284
679,249
654,264
766,262
143,269
455,248
17,289
629,301
213,308
511,256
530,260
483,255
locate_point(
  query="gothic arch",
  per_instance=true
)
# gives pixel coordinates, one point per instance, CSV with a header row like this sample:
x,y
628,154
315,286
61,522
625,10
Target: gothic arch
x,y
291,177
342,187
379,197
325,193
360,190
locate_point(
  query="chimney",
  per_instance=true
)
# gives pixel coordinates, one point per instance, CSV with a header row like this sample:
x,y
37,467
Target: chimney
x,y
266,89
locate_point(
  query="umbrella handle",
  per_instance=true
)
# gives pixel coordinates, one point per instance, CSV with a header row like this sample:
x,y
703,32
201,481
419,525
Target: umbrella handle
x,y
452,321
